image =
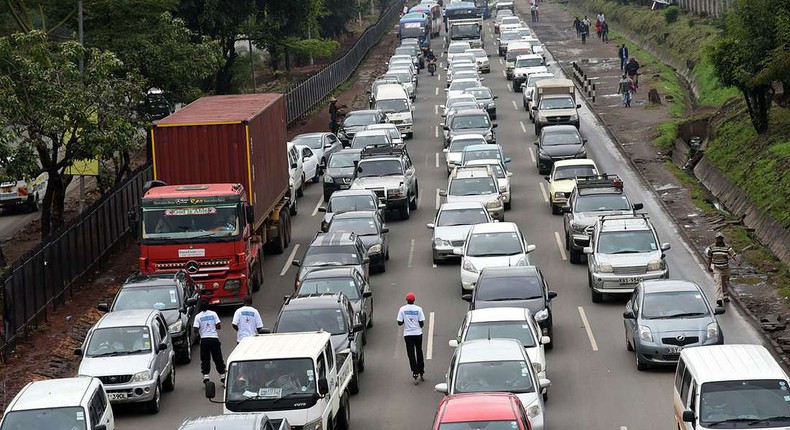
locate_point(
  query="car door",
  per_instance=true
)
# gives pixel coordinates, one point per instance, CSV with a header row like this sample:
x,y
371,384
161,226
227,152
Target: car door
x,y
363,287
331,145
408,172
631,323
380,227
545,286
309,162
161,336
363,257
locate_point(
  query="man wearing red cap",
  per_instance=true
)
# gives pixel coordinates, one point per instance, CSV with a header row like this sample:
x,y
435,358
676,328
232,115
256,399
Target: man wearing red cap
x,y
411,317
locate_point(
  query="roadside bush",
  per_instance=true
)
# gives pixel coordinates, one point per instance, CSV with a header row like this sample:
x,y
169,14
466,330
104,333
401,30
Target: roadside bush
x,y
671,14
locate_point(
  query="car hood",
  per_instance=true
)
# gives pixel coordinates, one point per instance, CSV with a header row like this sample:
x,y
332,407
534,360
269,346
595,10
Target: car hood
x,y
479,198
452,232
120,365
534,305
590,218
562,150
377,182
530,70
503,261
353,128
678,326
303,271
619,260
370,240
563,185
340,172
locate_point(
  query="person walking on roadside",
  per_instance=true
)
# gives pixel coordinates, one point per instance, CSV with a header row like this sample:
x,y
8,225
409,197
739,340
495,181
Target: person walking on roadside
x,y
206,325
537,13
333,115
577,26
412,318
584,30
247,320
632,70
605,31
718,258
622,54
598,30
600,17
532,9
624,89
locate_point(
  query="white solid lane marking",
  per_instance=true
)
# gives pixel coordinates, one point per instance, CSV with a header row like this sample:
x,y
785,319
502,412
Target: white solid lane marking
x,y
543,192
438,78
436,93
623,428
501,62
588,329
289,260
436,107
318,205
515,106
438,199
429,348
531,154
560,246
523,127
437,160
411,253
436,131
504,74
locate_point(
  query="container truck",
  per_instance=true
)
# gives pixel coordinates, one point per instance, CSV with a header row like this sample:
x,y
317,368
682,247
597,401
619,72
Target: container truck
x,y
220,195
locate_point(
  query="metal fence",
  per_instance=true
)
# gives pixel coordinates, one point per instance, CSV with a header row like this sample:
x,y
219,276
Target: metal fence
x,y
37,282
302,97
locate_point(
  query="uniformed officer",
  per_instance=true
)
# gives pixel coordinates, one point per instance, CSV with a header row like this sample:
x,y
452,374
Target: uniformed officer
x,y
719,255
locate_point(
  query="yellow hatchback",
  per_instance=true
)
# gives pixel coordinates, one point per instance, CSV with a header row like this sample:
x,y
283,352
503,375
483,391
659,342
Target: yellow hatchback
x,y
563,179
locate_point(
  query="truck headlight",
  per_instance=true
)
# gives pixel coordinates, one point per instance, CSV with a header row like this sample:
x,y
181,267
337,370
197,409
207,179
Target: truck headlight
x,y
145,375
604,267
655,265
328,179
469,267
712,331
645,334
375,249
542,315
233,284
176,326
559,195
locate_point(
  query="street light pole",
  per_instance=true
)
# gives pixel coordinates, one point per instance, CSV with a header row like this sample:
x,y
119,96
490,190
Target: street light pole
x,y
82,68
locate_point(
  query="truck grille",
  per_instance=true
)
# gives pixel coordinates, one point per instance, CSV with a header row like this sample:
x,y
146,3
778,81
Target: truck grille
x,y
629,270
219,262
558,119
115,379
675,341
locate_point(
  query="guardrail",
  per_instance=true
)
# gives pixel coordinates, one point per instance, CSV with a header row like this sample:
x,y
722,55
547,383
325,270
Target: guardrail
x,y
39,280
587,85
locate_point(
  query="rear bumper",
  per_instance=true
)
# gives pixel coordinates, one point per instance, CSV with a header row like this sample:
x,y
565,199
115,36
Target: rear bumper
x,y
610,283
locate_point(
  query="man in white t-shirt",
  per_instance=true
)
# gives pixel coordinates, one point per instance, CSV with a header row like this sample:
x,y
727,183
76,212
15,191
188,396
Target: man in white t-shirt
x,y
206,325
411,317
246,320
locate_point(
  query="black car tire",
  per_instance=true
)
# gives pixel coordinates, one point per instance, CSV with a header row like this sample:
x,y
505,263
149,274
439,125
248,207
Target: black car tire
x,y
550,334
353,386
153,405
184,356
628,346
640,365
343,419
405,210
555,210
170,382
595,296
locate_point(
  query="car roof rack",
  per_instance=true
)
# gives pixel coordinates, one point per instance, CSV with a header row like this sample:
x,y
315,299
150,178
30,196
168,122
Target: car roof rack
x,y
599,181
613,217
381,151
489,171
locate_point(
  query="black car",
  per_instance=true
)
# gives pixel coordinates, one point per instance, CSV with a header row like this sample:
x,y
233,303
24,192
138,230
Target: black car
x,y
339,170
332,313
333,250
349,201
515,286
174,294
370,227
558,142
357,121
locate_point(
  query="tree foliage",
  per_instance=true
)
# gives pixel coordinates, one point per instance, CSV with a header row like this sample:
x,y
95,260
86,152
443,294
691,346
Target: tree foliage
x,y
49,106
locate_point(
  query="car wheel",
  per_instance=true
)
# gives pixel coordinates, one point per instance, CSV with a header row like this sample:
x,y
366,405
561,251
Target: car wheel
x,y
555,210
550,332
300,190
405,211
317,176
640,365
370,320
343,420
537,130
170,383
353,386
545,396
185,355
153,405
327,196
576,256
507,206
382,267
595,296
413,204
361,364
293,209
410,135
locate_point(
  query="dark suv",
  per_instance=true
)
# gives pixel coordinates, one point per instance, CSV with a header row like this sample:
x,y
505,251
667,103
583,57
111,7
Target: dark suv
x,y
174,294
332,313
333,250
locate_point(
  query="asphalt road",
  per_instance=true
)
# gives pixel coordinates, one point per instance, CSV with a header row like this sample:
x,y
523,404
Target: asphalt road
x,y
594,379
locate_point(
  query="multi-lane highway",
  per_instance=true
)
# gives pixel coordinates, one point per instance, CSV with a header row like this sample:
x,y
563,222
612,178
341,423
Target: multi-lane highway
x,y
595,383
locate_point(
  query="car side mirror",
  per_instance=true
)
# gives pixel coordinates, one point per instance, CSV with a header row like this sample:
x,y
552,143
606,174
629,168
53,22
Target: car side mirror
x,y
103,307
545,383
430,225
547,179
587,250
446,128
382,206
453,343
718,310
566,209
442,107
494,125
366,294
100,427
446,150
638,206
441,388
531,248
366,260
323,386
162,347
665,246
629,315
507,160
545,340
552,295
264,330
294,165
192,301
529,99
322,209
442,193
688,417
211,390
385,230
495,97
296,263
458,251
358,327
584,141
578,106
78,352
305,158
535,108
467,298
536,143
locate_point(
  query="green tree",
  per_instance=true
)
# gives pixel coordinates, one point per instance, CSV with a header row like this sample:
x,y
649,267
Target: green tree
x,y
61,113
50,16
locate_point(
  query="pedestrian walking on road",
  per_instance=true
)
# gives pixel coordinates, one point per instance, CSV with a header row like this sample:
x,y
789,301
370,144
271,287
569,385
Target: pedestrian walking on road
x,y
247,320
719,255
206,325
584,30
333,115
598,29
412,318
533,12
632,70
624,89
622,54
577,26
537,13
605,32
600,17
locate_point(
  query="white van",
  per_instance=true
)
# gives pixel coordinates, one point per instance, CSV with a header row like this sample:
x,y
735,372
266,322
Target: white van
x,y
394,101
295,169
730,386
78,403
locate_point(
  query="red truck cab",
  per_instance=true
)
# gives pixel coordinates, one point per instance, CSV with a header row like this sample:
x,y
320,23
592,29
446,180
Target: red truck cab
x,y
492,411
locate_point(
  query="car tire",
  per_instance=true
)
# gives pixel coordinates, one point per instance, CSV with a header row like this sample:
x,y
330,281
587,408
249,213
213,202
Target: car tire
x,y
508,206
382,267
555,210
153,405
537,130
300,190
567,241
405,211
327,196
550,345
361,364
410,135
575,256
293,209
545,396
185,355
343,420
353,386
595,296
170,382
493,115
640,365
413,205
317,176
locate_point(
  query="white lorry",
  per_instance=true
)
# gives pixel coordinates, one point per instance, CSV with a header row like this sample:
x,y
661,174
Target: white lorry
x,y
295,376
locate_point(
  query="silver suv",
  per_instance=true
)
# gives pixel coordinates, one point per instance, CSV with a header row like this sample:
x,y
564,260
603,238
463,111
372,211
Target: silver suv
x,y
131,353
624,251
389,173
476,184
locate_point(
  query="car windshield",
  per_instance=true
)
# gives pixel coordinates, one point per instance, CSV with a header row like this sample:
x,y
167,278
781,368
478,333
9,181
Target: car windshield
x,y
461,67
529,62
343,160
470,121
562,138
478,53
674,304
494,376
602,202
626,242
519,330
118,341
494,244
346,286
313,141
510,35
532,80
571,172
340,204
744,404
480,93
389,78
462,85
458,49
375,168
353,119
465,74
458,145
510,20
330,320
160,298
392,105
465,56
472,186
513,53
361,142
452,101
404,76
482,154
480,425
509,288
557,103
190,222
404,50
334,255
361,226
68,418
451,217
265,381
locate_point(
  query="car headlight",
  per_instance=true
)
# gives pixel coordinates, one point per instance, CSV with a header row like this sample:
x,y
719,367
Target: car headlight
x,y
314,425
604,267
645,334
542,315
492,204
328,178
491,105
655,265
176,326
522,261
145,375
469,267
712,331
441,242
233,284
574,117
581,154
375,249
559,195
533,411
537,367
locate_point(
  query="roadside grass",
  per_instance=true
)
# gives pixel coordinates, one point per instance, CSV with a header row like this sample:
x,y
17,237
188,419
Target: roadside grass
x,y
699,195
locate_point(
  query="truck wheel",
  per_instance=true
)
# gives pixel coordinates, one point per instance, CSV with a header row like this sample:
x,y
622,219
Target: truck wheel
x,y
413,204
405,211
257,279
287,230
343,420
278,244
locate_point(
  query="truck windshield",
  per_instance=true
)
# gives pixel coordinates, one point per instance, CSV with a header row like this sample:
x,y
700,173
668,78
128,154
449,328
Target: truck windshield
x,y
557,103
464,31
268,381
190,222
756,403
373,168
71,418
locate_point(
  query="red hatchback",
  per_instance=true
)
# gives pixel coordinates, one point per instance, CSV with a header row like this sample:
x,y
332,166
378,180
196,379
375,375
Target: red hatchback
x,y
489,411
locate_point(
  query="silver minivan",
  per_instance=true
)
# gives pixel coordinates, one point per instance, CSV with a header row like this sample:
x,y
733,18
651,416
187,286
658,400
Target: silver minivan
x,y
132,354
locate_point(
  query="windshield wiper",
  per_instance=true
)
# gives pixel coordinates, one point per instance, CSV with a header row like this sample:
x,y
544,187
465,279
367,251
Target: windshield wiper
x,y
684,314
735,420
504,299
774,418
107,354
290,395
628,251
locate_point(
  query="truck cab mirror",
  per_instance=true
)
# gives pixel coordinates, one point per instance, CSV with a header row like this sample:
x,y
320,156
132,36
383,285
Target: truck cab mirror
x,y
688,417
103,307
578,106
323,386
211,390
250,213
294,165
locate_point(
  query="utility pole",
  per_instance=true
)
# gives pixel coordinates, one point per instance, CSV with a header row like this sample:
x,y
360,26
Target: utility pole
x,y
252,66
82,68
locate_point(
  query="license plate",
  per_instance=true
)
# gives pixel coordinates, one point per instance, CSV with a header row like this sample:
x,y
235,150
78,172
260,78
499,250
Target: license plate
x,y
116,396
630,280
674,349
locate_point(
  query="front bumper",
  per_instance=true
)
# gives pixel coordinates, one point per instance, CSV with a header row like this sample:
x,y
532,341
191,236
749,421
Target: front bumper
x,y
133,392
214,291
610,283
13,201
405,127
658,353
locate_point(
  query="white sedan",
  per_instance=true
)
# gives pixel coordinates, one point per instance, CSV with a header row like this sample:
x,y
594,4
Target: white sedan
x,y
310,162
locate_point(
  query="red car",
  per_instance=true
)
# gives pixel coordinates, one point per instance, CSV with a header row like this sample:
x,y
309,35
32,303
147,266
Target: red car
x,y
490,411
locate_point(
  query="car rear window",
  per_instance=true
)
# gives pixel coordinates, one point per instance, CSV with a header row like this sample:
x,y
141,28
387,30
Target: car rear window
x,y
509,288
